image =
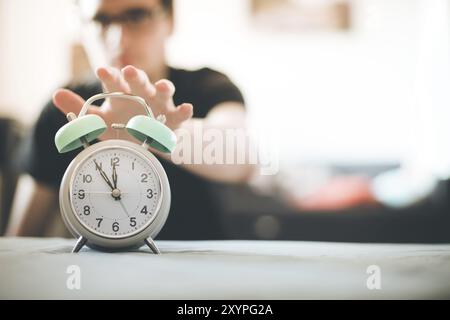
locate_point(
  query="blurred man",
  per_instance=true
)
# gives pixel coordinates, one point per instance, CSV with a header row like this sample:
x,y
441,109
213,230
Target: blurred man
x,y
133,34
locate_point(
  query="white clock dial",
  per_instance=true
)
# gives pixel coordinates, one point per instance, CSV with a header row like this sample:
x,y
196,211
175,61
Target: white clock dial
x,y
112,207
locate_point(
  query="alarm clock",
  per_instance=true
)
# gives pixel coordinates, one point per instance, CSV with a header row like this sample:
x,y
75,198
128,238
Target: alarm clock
x,y
115,194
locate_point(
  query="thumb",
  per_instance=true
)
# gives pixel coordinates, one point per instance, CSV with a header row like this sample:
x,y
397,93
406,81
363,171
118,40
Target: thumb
x,y
68,101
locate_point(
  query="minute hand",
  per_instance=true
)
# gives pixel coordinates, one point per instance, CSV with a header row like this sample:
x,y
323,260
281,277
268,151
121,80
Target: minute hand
x,y
114,176
104,176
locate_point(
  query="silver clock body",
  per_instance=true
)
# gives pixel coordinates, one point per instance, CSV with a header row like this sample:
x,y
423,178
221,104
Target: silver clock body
x,y
100,240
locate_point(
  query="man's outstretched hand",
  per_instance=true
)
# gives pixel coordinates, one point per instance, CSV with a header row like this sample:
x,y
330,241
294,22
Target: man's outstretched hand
x,y
132,81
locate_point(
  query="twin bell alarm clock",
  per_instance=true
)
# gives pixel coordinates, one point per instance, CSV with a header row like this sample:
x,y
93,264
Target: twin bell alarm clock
x,y
115,194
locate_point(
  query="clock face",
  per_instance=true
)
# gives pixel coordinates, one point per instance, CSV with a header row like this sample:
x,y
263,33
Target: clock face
x,y
115,192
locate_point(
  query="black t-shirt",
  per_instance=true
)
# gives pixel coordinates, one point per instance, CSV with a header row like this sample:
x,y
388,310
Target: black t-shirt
x,y
193,214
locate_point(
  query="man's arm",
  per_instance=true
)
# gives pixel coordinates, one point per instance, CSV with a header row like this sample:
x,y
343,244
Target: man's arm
x,y
32,207
226,124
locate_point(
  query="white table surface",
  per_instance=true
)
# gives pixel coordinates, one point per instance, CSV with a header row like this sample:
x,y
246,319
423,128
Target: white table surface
x,y
36,268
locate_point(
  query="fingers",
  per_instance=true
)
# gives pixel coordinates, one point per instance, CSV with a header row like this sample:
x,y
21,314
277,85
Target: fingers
x,y
180,114
138,82
165,89
68,101
112,80
184,112
159,95
163,99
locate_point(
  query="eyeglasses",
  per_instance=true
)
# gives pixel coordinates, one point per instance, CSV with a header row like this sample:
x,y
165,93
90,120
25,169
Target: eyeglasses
x,y
135,18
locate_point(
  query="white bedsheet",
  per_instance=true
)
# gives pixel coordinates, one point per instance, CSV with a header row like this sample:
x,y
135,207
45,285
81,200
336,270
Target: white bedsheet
x,y
37,268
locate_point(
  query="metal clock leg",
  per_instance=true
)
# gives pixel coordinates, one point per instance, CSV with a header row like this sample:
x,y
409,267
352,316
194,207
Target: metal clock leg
x,y
80,243
151,244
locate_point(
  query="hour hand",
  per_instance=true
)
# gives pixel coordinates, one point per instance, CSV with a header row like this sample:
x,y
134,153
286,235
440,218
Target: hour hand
x,y
104,176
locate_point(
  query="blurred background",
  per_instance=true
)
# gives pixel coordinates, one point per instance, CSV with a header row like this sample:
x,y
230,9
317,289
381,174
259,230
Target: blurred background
x,y
355,91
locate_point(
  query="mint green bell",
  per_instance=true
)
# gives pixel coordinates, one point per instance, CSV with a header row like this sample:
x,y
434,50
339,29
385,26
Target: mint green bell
x,y
71,136
155,133
87,127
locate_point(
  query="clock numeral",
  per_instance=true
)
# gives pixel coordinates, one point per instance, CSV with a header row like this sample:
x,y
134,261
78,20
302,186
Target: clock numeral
x,y
87,210
150,193
144,178
87,178
132,166
133,221
99,222
115,226
144,210
81,194
115,161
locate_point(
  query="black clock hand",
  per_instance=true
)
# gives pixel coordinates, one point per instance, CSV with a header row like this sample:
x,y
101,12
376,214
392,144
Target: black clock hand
x,y
104,176
114,176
